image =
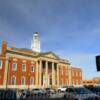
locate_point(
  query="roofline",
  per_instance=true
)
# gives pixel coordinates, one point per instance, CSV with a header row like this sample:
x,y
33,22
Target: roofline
x,y
21,53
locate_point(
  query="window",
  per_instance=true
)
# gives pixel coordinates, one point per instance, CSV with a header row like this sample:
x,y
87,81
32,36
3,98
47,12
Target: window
x,y
13,80
76,82
32,69
31,81
23,80
72,82
23,67
0,64
66,82
14,66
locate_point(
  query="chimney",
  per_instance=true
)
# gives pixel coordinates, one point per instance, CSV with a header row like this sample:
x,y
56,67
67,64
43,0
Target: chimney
x,y
4,47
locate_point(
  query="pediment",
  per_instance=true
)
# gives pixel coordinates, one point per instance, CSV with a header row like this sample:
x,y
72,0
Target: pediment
x,y
51,55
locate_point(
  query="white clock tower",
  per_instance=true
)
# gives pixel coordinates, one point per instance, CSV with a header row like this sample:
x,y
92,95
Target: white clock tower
x,y
35,45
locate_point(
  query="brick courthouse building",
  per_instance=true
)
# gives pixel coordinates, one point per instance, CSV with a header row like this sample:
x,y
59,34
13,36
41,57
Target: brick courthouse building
x,y
30,68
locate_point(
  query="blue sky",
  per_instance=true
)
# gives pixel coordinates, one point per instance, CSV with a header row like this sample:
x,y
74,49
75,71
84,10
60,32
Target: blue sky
x,y
70,28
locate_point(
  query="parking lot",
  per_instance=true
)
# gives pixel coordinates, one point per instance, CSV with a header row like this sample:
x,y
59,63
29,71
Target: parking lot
x,y
80,93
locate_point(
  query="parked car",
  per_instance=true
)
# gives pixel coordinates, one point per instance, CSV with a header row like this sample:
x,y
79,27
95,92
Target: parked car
x,y
50,90
43,92
94,89
38,91
80,93
62,89
7,94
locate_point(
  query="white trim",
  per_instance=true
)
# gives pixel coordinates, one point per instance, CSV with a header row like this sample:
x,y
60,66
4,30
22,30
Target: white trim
x,y
2,86
14,80
24,61
32,80
32,62
19,86
23,77
1,64
15,59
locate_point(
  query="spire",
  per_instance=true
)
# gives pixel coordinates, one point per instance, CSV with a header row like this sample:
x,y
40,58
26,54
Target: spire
x,y
35,45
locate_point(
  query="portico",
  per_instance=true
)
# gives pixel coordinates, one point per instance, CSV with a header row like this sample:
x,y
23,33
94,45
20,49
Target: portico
x,y
47,73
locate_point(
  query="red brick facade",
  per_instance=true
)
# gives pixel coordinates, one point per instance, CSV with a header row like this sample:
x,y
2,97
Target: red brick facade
x,y
64,75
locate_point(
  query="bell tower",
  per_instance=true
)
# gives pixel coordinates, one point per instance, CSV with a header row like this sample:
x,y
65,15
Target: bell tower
x,y
35,45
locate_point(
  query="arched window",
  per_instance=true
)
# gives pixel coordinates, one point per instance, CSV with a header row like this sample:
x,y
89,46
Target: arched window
x,y
13,80
32,68
32,81
23,80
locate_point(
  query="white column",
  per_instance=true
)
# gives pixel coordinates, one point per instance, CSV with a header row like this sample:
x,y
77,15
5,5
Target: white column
x,y
53,81
70,75
6,71
48,80
40,72
46,73
58,75
36,78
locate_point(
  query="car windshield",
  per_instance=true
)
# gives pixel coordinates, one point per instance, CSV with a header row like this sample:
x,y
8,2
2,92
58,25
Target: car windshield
x,y
82,90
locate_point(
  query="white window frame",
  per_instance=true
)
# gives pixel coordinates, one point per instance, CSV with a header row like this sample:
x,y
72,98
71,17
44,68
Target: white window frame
x,y
23,70
14,80
32,79
1,64
33,68
23,77
15,67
